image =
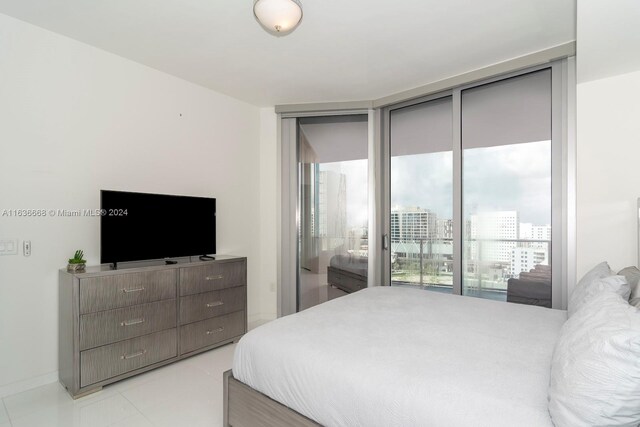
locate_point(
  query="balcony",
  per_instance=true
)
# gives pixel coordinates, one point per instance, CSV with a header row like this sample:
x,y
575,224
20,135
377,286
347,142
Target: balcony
x,y
490,266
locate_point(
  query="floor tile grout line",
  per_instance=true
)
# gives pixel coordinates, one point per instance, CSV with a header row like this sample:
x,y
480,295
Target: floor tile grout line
x,y
146,418
136,408
192,367
91,399
6,411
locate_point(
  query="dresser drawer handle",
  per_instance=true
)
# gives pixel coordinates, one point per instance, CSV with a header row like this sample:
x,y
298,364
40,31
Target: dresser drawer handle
x,y
215,304
132,355
132,322
220,329
218,277
127,291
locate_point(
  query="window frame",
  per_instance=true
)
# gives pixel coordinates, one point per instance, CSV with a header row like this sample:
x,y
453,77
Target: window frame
x,y
560,176
563,63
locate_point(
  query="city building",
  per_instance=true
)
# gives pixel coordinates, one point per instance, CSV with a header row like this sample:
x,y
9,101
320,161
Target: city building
x,y
412,224
332,208
492,236
529,231
525,259
445,229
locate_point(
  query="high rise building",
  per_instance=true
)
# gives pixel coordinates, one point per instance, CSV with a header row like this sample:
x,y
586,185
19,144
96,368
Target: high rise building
x,y
411,224
416,231
445,229
332,209
525,259
529,231
487,229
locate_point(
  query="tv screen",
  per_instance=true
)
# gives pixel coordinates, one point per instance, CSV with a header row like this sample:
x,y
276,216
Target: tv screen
x,y
140,226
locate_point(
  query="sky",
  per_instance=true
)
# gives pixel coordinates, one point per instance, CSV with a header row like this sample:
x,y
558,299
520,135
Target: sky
x,y
502,178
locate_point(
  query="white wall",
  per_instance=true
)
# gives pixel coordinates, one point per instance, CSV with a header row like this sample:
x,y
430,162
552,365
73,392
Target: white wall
x,y
608,133
74,120
268,211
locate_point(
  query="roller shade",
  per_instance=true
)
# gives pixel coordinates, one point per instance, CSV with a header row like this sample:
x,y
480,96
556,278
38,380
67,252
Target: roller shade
x,y
336,139
506,112
422,128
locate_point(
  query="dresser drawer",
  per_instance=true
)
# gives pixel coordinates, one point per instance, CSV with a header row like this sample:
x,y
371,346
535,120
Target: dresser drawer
x,y
212,277
211,331
109,361
122,290
109,326
211,304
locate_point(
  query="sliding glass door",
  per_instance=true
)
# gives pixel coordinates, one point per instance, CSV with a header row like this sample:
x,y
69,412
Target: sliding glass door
x,y
506,182
333,207
457,192
472,208
422,195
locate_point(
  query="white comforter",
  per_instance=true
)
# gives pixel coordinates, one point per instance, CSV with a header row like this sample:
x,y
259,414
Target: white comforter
x,y
388,356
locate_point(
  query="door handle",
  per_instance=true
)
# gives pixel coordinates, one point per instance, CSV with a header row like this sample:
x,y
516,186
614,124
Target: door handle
x,y
385,242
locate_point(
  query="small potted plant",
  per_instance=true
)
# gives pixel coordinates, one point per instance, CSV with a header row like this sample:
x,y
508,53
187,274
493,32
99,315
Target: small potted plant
x,y
77,263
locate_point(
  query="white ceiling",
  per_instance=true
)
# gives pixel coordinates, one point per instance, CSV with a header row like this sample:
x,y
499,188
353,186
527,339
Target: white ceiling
x,y
344,50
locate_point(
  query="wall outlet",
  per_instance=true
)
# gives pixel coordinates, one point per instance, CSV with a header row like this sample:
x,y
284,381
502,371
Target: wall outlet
x,y
8,247
26,247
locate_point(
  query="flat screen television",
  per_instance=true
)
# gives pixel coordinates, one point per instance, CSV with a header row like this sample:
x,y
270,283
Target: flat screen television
x,y
141,226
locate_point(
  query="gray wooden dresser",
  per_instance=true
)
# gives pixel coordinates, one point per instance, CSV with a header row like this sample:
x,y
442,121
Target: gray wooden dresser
x,y
117,323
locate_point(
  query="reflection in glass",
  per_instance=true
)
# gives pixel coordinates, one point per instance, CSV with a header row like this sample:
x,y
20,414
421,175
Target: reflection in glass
x,y
333,229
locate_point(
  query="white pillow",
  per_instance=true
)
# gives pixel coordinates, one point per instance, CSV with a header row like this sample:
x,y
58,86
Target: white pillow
x,y
587,286
595,370
632,274
581,295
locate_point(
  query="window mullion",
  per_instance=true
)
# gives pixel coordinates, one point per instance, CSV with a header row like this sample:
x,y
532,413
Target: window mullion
x,y
457,192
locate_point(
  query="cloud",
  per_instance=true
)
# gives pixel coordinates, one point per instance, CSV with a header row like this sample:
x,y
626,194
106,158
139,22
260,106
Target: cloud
x,y
423,180
507,178
502,178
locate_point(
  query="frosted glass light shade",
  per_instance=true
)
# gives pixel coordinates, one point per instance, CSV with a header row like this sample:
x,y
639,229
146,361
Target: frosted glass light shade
x,y
279,17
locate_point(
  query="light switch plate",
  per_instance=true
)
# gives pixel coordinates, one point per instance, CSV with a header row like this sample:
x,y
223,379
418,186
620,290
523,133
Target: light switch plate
x,y
26,247
8,247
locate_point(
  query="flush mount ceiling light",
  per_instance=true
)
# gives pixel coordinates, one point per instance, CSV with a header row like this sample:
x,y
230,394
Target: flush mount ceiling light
x,y
278,17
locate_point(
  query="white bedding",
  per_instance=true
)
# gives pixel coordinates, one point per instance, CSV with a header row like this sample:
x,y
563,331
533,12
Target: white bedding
x,y
389,356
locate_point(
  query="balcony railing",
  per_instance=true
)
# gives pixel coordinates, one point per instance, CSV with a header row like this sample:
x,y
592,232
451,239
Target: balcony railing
x,y
429,262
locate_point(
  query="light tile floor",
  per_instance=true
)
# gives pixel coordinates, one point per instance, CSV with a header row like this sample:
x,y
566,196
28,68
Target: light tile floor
x,y
315,290
185,393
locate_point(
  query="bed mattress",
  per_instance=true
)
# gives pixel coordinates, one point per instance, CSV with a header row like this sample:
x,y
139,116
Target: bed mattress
x,y
390,356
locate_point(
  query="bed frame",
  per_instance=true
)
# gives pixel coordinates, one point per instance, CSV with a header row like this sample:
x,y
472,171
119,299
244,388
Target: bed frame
x,y
245,407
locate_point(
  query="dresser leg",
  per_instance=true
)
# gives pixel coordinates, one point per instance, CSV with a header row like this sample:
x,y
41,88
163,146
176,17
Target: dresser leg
x,y
86,393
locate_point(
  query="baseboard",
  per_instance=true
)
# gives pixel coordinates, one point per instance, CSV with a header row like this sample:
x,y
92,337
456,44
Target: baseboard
x,y
28,384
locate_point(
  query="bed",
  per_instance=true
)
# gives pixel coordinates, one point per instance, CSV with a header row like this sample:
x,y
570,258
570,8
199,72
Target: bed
x,y
400,357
